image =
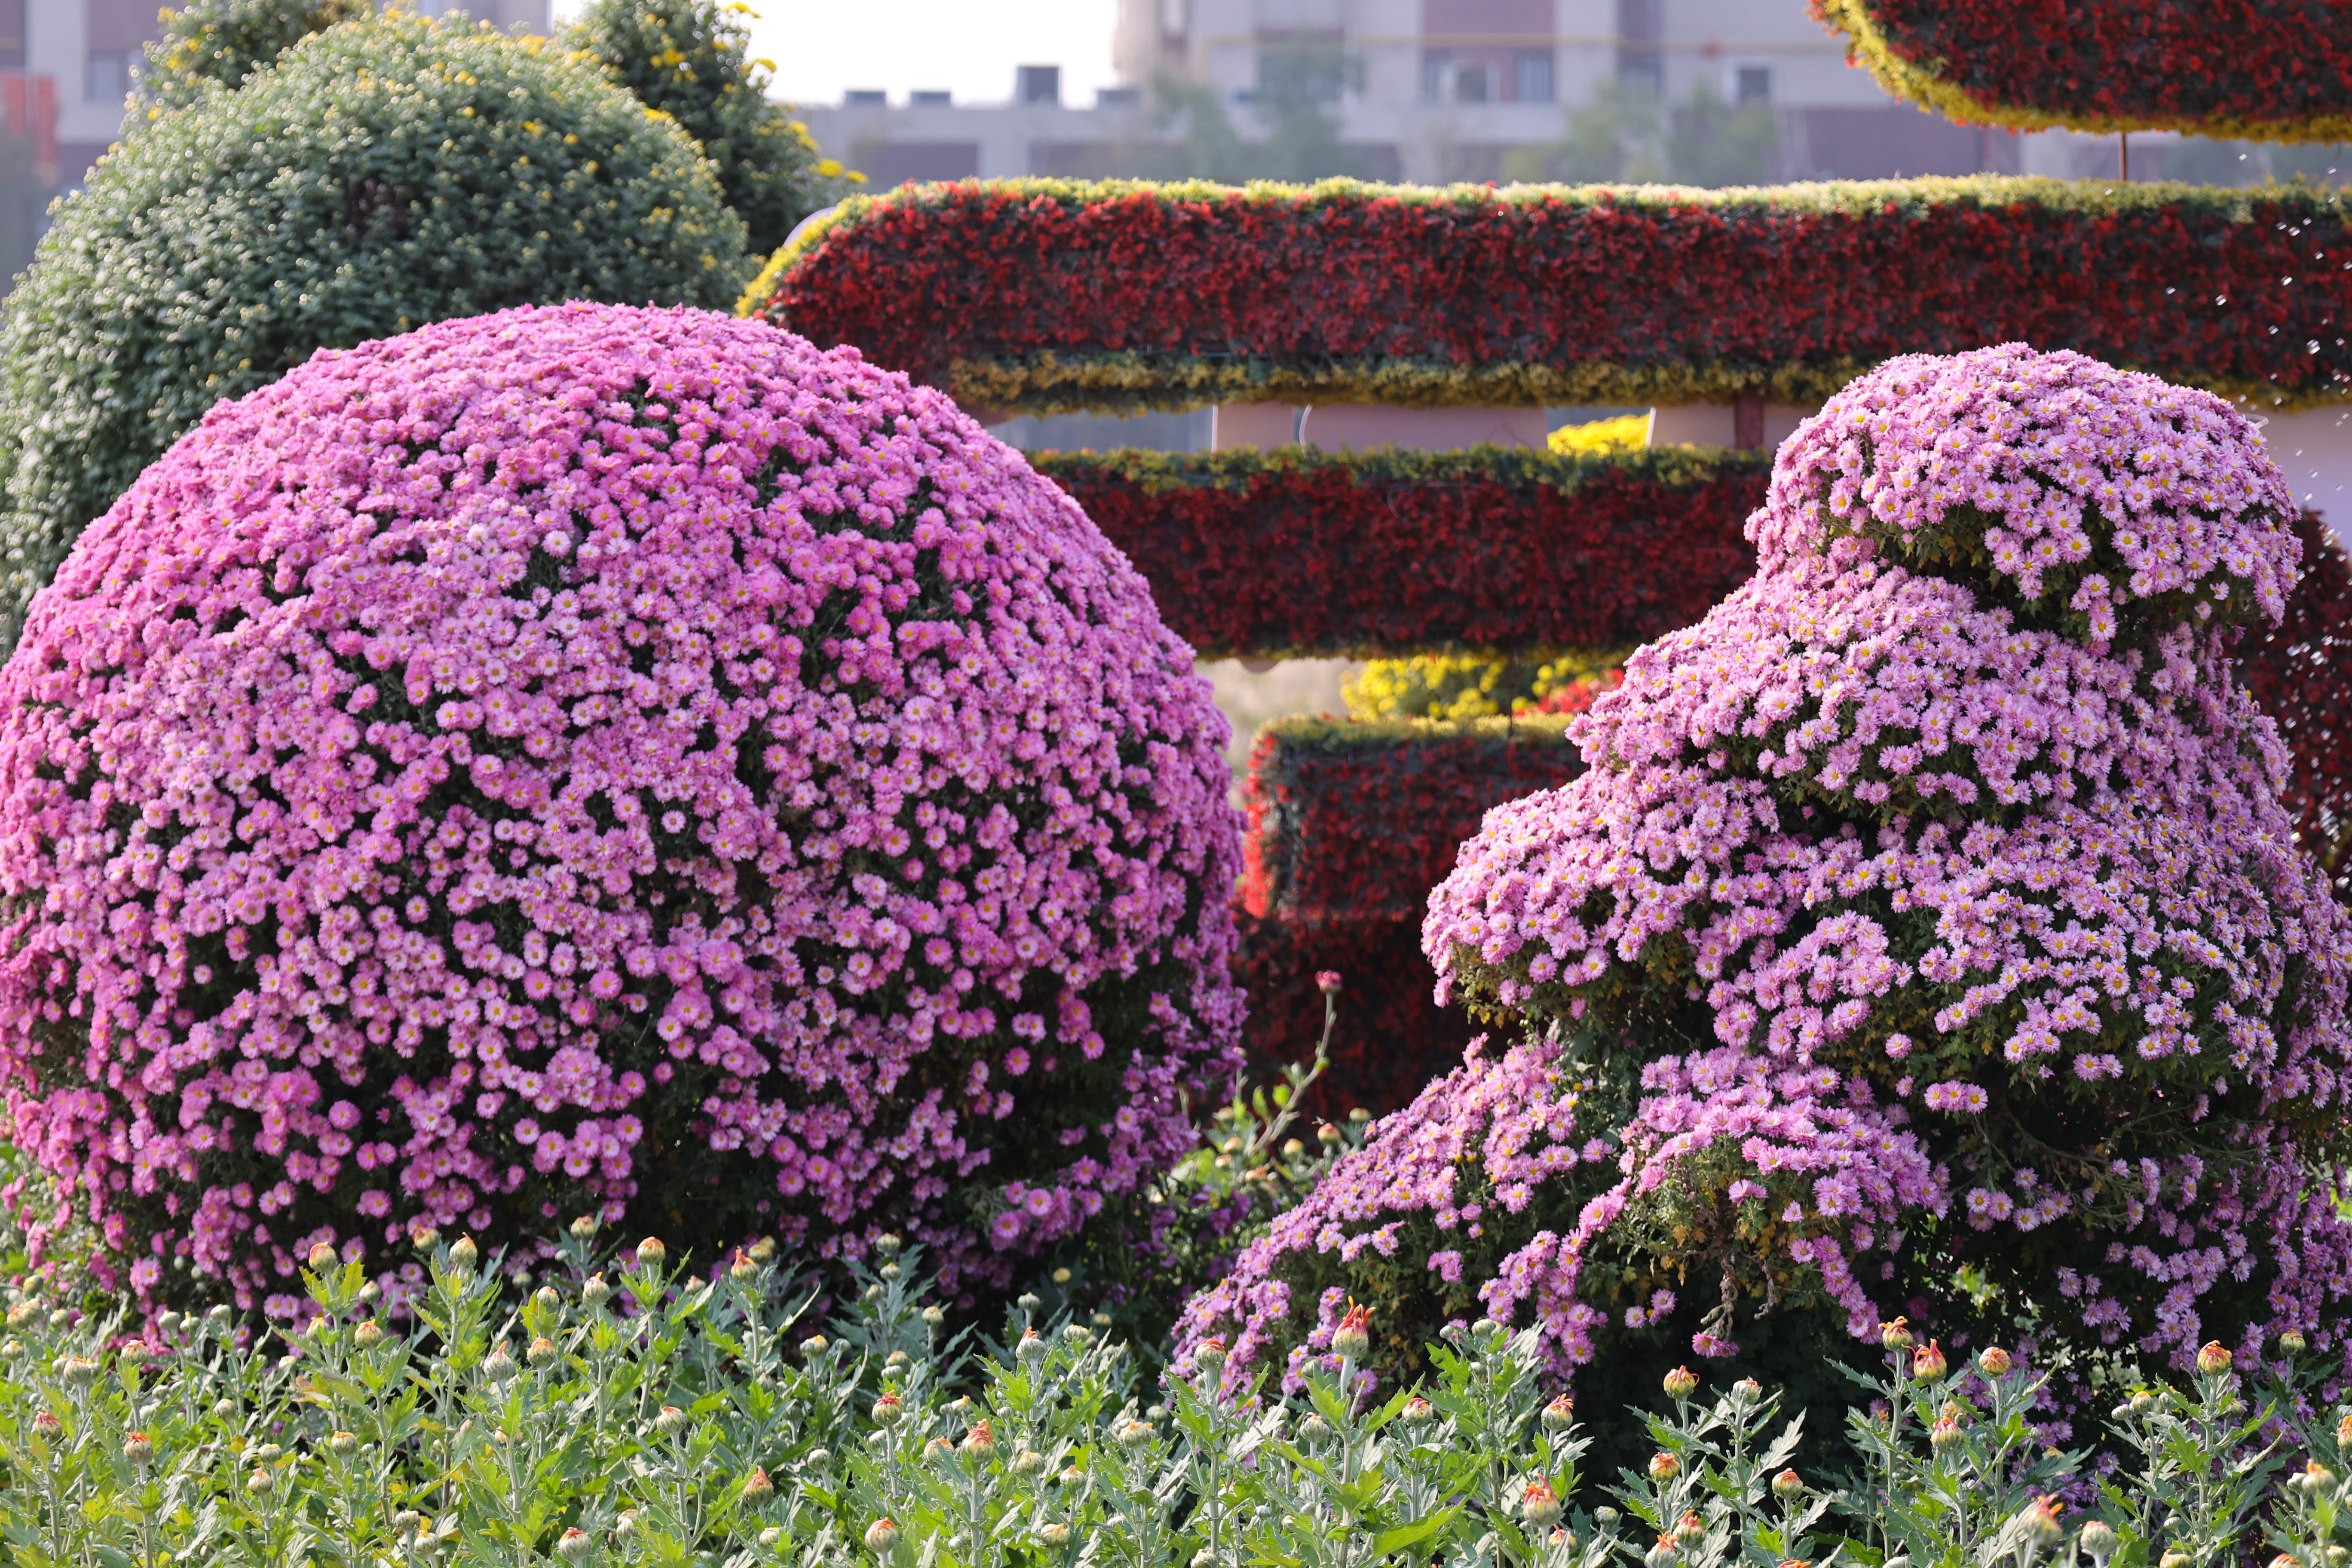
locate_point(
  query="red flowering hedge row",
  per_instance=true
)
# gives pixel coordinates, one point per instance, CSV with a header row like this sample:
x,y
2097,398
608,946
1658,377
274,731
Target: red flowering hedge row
x,y
1351,825
2273,70
2301,672
1299,552
1045,295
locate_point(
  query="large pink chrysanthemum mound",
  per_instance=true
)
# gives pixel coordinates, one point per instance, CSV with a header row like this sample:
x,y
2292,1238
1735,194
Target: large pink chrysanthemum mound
x,y
599,757
1929,908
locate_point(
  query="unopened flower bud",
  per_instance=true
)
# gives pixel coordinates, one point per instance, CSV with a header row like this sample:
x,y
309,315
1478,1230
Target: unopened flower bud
x,y
1689,1530
670,1422
814,1346
1054,1537
742,1269
1665,1554
979,1442
343,1442
1664,1467
425,1238
167,1323
1032,1348
500,1367
1944,1434
1327,1134
323,1256
770,1536
573,1545
1315,1428
758,1488
890,1271
2098,1542
583,1228
933,1317
940,1451
2292,1341
887,1245
2176,1560
46,1426
1210,1355
1076,1334
1927,1362
594,1292
463,1255
1681,1384
1351,1340
136,1448
76,1371
541,1352
1539,1506
625,1525
2316,1481
258,1483
1746,1392
1560,1414
1994,1361
1896,1335
1135,1434
2042,1521
2214,1359
368,1335
651,1253
881,1535
1327,981
1788,1485
888,1410
1028,1462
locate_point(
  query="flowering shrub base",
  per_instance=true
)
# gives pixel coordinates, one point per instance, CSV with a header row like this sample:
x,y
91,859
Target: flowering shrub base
x,y
1049,295
612,756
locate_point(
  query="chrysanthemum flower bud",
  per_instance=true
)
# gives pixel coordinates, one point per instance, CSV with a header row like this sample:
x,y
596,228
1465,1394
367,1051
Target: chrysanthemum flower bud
x,y
405,1521
318,1328
1028,1462
1315,1428
1689,1530
881,1535
322,1256
941,1451
594,1292
1944,1434
46,1426
762,1250
23,1312
887,1245
1061,1277
771,1536
1327,1134
343,1442
258,1483
979,1442
2292,1341
1054,1537
1994,1361
1928,1362
1787,1485
574,1544
1746,1392
743,1270
2176,1560
500,1367
1351,1340
625,1525
1075,1334
167,1323
463,1255
425,1238
2098,1542
2344,1430
758,1488
1681,1384
1540,1505
933,1317
1418,1410
1560,1414
814,1346
368,1335
2214,1359
1896,1335
76,1371
2042,1521
1665,1554
1664,1467
583,1228
671,1421
2316,1480
541,1352
888,1410
1327,981
1032,1348
651,1253
546,1298
136,1448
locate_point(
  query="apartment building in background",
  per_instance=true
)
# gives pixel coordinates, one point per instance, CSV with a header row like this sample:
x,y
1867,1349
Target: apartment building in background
x,y
1431,90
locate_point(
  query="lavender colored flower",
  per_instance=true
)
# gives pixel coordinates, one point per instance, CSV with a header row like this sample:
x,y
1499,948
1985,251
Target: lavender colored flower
x,y
1934,889
608,755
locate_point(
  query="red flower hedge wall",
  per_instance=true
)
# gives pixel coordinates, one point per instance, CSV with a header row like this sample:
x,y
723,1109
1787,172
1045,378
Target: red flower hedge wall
x,y
2301,673
2275,70
1053,295
1292,552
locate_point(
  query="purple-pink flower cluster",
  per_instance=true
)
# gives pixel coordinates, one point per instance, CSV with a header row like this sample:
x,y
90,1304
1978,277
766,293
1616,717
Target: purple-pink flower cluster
x,y
599,757
1939,875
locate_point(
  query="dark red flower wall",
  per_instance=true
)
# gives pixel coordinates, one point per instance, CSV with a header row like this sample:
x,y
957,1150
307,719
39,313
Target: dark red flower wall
x,y
1049,295
1291,552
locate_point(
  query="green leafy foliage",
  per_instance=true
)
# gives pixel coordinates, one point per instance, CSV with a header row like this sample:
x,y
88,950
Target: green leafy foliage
x,y
219,43
388,173
688,60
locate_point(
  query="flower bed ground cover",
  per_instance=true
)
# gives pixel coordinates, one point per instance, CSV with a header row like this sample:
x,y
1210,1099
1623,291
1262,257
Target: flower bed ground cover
x,y
1048,296
1296,553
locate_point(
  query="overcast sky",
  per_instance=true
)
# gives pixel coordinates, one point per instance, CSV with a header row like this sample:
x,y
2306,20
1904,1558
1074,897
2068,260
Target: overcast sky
x,y
825,47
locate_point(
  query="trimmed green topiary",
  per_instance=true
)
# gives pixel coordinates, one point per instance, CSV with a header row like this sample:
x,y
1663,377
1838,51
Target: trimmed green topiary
x,y
211,43
690,58
391,171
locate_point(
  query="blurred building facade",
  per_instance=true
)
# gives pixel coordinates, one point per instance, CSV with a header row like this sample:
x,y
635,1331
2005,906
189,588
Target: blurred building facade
x,y
1431,90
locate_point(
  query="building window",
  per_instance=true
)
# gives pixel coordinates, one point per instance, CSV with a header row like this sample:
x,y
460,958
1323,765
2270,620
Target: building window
x,y
1037,84
1535,79
930,98
1752,85
11,34
1641,32
110,77
865,97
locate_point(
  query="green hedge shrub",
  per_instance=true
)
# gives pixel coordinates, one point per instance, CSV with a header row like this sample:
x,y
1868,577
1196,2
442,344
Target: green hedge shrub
x,y
389,173
690,58
219,43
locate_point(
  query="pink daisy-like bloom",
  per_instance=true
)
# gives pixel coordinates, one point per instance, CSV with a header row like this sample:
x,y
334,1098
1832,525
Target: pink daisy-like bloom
x,y
612,758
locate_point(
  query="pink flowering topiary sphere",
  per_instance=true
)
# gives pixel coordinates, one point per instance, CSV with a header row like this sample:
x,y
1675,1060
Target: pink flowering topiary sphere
x,y
1926,938
591,758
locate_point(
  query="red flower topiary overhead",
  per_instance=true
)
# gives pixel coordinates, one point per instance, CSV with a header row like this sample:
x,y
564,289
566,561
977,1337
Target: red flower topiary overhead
x,y
2269,70
599,756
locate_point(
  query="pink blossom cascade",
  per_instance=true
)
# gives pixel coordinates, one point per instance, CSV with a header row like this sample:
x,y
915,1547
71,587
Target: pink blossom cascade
x,y
599,757
1939,871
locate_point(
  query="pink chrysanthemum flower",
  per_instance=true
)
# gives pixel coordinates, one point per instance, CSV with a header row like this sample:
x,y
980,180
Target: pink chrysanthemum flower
x,y
612,757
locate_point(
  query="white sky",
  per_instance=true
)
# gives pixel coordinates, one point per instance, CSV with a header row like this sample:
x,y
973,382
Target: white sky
x,y
822,48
